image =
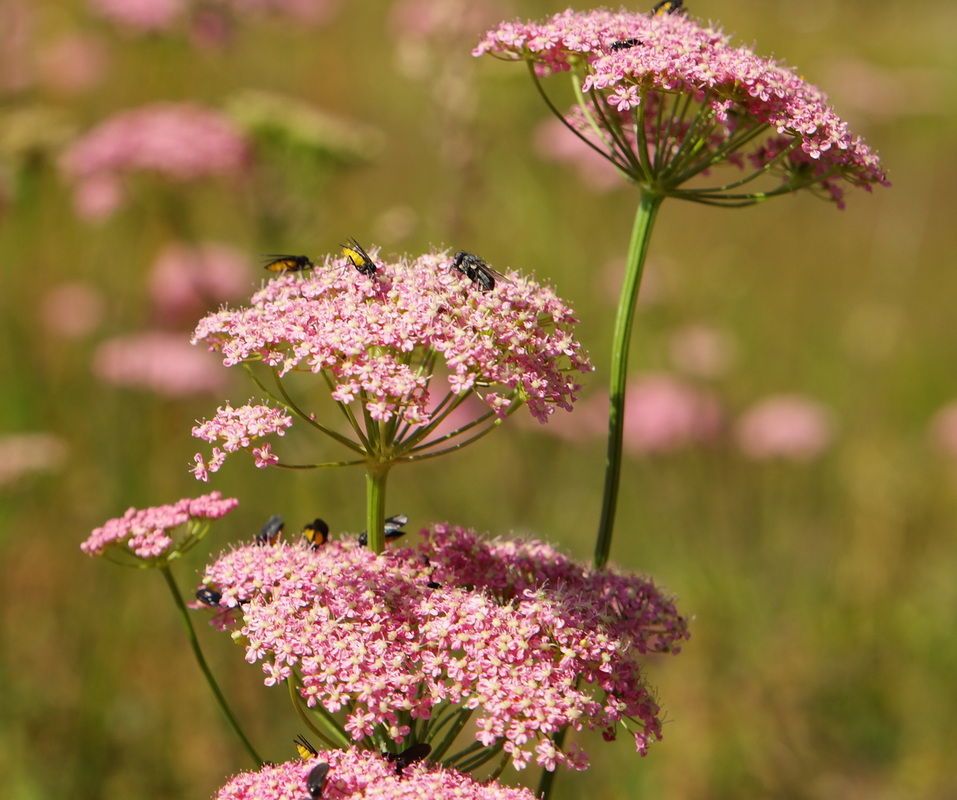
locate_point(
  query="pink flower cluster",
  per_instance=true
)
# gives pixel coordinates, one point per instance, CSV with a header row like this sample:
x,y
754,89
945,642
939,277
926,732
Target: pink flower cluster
x,y
181,142
237,429
629,57
145,532
378,337
530,640
358,774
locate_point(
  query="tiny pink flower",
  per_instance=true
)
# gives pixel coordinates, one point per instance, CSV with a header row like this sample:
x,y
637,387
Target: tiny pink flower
x,y
638,73
364,775
531,641
145,533
140,15
788,427
71,310
409,344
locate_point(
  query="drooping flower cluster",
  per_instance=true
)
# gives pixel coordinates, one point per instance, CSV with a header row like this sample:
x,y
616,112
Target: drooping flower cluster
x,y
526,638
146,533
666,98
358,774
384,341
179,141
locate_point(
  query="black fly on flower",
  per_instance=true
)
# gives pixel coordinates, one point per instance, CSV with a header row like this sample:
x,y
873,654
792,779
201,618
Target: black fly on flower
x,y
270,532
280,263
477,270
392,527
359,258
316,533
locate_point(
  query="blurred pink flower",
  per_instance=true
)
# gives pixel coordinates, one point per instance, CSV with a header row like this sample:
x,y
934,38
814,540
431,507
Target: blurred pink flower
x,y
701,351
664,413
784,426
97,197
140,15
164,363
181,142
421,19
16,34
71,310
556,142
186,281
943,429
73,63
23,453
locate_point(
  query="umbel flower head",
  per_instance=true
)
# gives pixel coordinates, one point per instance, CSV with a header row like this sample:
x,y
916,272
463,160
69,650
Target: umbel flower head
x,y
146,535
666,99
358,774
509,635
400,348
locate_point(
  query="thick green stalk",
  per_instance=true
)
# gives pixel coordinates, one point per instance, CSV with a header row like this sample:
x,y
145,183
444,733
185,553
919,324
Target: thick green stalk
x,y
201,660
376,475
637,250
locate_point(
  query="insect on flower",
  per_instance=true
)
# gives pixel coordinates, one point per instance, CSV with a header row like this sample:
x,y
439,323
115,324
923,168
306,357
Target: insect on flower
x,y
359,258
477,270
316,533
271,531
305,748
668,7
288,263
208,597
625,44
316,780
410,755
393,529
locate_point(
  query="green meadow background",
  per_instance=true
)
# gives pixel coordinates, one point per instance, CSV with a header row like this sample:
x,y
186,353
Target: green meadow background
x,y
823,654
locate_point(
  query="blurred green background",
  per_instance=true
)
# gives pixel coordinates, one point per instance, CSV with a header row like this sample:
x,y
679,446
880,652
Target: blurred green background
x,y
823,648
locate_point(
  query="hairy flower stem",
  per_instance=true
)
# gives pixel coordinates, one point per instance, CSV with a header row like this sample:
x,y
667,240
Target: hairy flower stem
x,y
376,475
637,250
201,660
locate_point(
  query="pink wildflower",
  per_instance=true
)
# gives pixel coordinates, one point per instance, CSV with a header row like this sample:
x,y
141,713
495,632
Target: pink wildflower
x,y
186,281
181,142
362,774
385,342
71,310
943,429
664,413
530,640
146,532
238,429
785,426
140,15
26,453
159,362
743,107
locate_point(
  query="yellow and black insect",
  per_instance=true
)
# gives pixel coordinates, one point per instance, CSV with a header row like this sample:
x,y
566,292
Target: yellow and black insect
x,y
280,263
624,44
305,748
316,780
392,527
410,755
359,258
668,7
208,597
316,533
270,532
477,270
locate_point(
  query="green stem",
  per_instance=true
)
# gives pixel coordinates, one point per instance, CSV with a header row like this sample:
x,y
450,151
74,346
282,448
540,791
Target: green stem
x,y
638,249
201,660
376,475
